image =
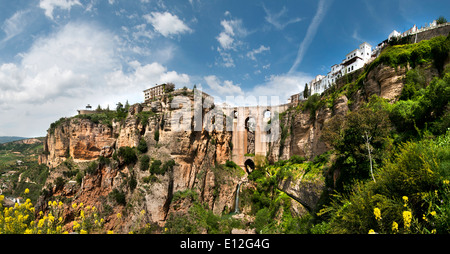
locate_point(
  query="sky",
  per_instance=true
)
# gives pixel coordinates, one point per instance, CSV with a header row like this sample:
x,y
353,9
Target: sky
x,y
57,56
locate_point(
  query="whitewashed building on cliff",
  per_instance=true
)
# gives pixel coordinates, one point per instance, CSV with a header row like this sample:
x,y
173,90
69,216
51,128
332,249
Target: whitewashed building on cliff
x,y
353,61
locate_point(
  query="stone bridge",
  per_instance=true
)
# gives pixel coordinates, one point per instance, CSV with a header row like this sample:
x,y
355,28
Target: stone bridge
x,y
254,127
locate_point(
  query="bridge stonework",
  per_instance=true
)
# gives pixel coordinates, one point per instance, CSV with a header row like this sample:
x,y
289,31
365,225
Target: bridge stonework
x,y
253,128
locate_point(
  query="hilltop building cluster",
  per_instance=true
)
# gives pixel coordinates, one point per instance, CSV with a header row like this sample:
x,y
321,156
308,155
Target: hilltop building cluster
x,y
357,59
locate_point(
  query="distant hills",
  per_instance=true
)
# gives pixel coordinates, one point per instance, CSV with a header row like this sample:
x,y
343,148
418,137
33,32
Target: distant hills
x,y
10,139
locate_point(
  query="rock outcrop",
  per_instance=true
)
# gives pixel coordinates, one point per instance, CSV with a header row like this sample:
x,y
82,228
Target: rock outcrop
x,y
195,155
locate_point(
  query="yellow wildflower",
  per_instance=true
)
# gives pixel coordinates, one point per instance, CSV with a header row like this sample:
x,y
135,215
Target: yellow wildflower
x,y
60,204
433,231
55,204
110,232
74,205
28,231
372,232
26,191
49,203
407,217
41,223
143,212
51,218
1,198
394,226
80,205
83,232
377,213
76,225
446,182
119,215
433,213
405,199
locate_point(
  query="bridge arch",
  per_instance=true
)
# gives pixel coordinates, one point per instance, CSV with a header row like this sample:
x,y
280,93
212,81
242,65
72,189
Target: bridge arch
x,y
249,165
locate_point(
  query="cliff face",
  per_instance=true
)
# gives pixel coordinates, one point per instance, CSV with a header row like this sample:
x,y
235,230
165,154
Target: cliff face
x,y
80,142
303,128
80,139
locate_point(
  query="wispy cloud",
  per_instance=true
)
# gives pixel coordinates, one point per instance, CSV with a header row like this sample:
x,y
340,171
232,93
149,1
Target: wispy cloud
x,y
252,54
275,19
50,5
311,32
14,25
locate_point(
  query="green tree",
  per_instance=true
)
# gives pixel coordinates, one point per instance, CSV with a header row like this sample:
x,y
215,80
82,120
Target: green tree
x,y
359,140
306,91
142,147
441,20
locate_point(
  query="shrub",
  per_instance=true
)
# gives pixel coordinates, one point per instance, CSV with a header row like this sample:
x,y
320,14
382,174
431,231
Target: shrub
x,y
117,196
156,135
414,180
128,155
142,147
145,163
59,183
155,168
231,164
92,168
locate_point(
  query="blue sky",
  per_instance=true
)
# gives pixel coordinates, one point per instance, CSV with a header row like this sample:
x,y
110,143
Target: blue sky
x,y
56,56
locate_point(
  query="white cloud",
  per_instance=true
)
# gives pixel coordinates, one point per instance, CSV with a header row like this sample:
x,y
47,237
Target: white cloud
x,y
275,18
78,64
224,88
227,59
14,25
228,39
283,85
147,75
167,24
50,5
310,33
231,29
225,40
257,51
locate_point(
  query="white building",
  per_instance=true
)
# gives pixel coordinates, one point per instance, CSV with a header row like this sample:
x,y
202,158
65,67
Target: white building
x,y
316,85
394,34
357,58
353,61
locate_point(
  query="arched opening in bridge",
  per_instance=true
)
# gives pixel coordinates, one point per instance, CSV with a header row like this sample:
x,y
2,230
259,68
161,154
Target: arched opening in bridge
x,y
250,125
249,166
235,114
267,114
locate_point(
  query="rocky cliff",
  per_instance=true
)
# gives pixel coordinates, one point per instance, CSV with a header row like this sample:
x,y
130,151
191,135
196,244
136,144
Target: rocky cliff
x,y
302,127
91,148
